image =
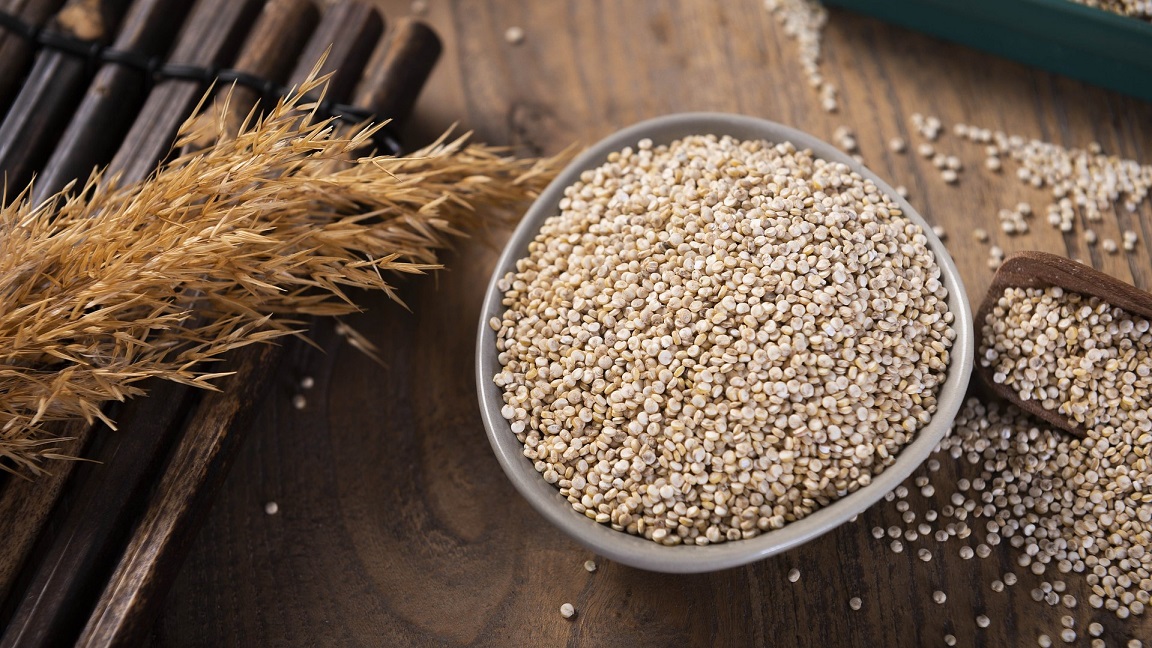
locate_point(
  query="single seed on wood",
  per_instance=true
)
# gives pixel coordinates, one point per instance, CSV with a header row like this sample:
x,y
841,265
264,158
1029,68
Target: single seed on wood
x,y
1067,621
939,597
589,566
983,621
1095,629
1068,635
949,176
271,508
794,575
897,546
924,555
567,611
1109,246
299,402
1044,641
980,234
897,145
514,35
307,382
997,586
855,603
949,640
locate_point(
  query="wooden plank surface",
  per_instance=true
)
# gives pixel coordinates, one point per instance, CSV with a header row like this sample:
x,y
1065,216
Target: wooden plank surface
x,y
395,523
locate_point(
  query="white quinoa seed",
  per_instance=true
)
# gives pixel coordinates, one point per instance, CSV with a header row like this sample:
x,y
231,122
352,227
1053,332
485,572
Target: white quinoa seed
x,y
897,145
949,640
299,401
271,508
939,597
1095,629
983,621
855,603
589,566
1068,635
514,35
793,575
307,382
734,269
567,611
1044,641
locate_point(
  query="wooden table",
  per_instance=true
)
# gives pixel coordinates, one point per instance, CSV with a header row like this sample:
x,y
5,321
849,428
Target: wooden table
x,y
396,526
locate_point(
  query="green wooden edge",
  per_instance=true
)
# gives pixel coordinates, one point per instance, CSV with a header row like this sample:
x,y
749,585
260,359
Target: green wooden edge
x,y
1082,42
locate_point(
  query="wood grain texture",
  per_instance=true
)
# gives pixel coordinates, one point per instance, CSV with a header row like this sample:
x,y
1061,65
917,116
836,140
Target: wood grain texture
x,y
396,525
1032,269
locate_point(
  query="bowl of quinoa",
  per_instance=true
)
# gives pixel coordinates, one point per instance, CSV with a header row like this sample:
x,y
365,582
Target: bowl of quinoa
x,y
713,338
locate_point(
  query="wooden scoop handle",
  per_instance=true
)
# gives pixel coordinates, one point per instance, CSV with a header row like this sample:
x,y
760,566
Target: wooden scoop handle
x,y
1043,270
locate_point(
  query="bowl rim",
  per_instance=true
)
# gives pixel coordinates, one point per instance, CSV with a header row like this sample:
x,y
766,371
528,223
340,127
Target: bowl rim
x,y
640,552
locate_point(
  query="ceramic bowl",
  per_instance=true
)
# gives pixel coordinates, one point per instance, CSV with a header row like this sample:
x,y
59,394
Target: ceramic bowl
x,y
640,552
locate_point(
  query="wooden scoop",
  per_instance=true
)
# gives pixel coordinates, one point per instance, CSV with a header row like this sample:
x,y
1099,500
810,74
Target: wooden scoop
x,y
1043,270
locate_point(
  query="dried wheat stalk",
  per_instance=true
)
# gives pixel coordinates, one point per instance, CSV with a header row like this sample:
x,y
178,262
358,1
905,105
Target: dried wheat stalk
x,y
220,248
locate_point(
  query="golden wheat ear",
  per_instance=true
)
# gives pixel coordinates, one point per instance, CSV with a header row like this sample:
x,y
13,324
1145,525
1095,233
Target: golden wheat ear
x,y
225,246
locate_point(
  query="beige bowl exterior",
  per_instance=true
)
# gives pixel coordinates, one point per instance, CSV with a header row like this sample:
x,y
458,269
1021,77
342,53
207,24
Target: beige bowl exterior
x,y
640,552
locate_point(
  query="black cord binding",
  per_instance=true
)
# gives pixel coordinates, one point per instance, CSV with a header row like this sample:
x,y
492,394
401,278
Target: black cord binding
x,y
155,69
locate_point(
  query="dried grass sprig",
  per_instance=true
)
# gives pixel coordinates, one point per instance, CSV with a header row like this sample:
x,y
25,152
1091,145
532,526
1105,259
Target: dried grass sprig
x,y
221,248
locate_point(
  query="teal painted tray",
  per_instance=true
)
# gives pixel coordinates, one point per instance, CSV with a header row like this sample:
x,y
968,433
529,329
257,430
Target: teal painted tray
x,y
1082,42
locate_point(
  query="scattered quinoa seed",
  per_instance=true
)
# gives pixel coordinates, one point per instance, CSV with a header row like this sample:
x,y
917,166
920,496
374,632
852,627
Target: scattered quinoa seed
x,y
299,401
897,145
567,611
1068,635
1044,641
307,382
271,508
1095,629
514,35
983,621
939,597
589,566
855,603
793,575
949,640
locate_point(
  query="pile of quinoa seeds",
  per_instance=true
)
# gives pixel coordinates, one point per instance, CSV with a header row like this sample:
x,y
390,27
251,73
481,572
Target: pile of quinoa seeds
x,y
715,338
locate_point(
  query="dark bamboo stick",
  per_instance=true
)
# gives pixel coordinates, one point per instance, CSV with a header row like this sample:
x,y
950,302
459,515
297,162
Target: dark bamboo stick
x,y
112,100
15,52
211,37
269,53
348,32
205,451
53,87
91,523
398,70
